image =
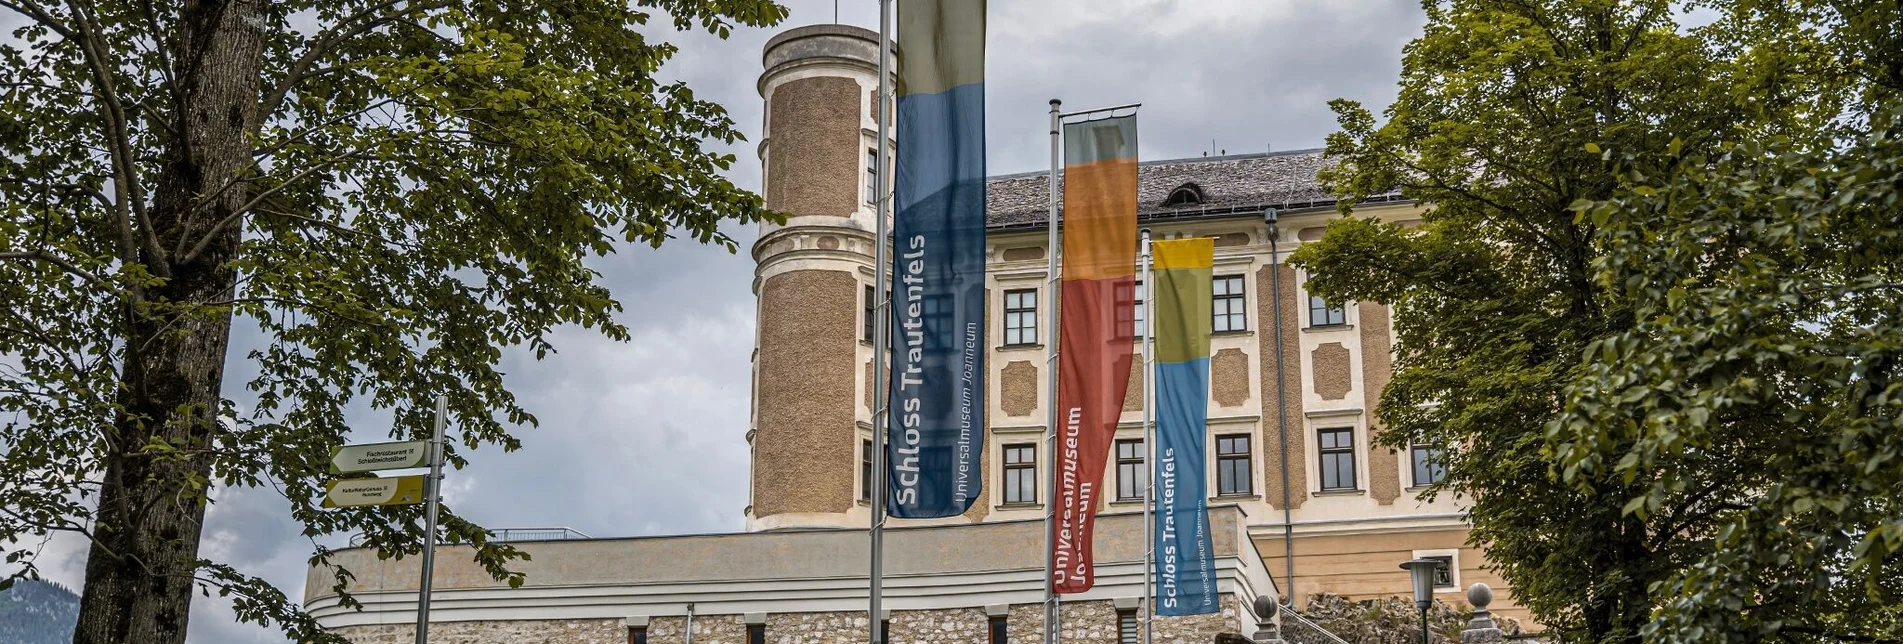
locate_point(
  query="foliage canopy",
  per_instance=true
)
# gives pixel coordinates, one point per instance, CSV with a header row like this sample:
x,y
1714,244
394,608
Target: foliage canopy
x,y
392,190
1627,217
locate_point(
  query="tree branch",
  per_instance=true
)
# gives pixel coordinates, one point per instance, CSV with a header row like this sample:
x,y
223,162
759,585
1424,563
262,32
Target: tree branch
x,y
274,148
239,212
56,261
327,41
33,10
125,175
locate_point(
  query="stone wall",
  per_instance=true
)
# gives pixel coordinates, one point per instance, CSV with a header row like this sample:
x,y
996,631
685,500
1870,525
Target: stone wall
x,y
553,631
1089,622
1380,621
708,629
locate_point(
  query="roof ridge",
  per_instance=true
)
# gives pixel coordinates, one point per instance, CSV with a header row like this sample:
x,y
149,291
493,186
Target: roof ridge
x,y
1179,161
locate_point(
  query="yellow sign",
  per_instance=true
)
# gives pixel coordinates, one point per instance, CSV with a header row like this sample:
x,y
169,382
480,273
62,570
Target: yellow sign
x,y
350,493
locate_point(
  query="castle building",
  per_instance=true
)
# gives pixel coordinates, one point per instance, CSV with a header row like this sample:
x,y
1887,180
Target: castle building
x,y
1348,510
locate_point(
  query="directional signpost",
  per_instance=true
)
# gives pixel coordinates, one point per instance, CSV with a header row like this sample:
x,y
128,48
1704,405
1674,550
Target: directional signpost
x,y
379,456
396,490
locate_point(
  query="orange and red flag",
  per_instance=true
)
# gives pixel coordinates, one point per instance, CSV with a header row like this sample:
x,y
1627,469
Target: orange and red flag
x,y
1096,336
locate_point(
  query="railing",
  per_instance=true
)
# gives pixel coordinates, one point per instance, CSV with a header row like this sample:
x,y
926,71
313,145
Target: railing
x,y
512,535
1297,629
507,535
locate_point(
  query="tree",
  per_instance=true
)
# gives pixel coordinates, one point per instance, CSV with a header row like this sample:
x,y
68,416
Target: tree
x,y
1768,302
392,190
1504,109
1767,293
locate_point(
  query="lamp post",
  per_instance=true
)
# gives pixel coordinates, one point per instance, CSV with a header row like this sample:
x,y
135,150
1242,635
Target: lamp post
x,y
1422,570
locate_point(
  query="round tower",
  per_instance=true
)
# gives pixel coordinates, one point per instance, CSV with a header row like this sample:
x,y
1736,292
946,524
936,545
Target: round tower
x,y
812,410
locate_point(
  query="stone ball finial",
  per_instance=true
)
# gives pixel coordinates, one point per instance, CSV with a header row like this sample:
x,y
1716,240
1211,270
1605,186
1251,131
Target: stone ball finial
x,y
1480,595
1266,608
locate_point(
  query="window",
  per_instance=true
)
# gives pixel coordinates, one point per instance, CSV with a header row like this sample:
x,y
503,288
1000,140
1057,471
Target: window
x,y
1338,458
1320,313
865,470
1127,627
637,635
1428,467
1444,573
1141,325
1133,294
1020,474
756,634
1130,471
1225,308
1020,317
1232,465
871,309
872,176
997,630
885,630
1188,194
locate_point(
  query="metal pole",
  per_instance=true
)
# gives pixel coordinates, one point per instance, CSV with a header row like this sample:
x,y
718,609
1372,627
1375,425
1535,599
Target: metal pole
x,y
1281,412
433,496
1149,441
881,340
1050,371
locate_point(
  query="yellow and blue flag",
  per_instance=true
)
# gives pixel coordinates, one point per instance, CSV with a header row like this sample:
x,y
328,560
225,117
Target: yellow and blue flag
x,y
1185,565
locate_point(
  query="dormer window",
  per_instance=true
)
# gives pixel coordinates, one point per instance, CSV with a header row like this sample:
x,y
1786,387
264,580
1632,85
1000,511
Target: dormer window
x,y
1188,194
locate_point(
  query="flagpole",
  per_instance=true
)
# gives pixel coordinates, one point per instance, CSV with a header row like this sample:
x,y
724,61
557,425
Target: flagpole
x,y
1149,441
881,340
1050,370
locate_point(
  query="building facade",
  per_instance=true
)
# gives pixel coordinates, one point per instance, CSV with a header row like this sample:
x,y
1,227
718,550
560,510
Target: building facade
x,y
1291,423
1347,510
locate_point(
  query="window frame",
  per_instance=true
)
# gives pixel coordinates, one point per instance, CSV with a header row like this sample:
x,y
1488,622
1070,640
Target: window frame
x,y
1331,315
1129,629
1446,571
1022,312
997,629
865,470
1245,455
1135,462
1140,319
1012,468
1231,308
1137,318
637,635
869,309
1323,453
1437,472
872,176
756,634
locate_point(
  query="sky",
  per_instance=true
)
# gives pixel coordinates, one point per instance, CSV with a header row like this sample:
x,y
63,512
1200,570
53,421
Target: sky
x,y
647,437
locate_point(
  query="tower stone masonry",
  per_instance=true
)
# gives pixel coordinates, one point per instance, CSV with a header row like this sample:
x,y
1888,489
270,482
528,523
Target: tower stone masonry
x,y
811,275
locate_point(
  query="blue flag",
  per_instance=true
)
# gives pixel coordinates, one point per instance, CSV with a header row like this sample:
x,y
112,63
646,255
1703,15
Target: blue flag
x,y
935,419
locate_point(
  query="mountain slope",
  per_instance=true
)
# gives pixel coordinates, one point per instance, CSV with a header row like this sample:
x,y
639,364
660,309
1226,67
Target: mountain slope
x,y
37,612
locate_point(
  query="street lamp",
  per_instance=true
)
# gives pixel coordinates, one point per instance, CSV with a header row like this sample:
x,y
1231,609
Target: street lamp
x,y
1422,571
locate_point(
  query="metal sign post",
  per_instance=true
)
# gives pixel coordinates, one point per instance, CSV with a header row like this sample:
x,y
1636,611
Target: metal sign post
x,y
434,496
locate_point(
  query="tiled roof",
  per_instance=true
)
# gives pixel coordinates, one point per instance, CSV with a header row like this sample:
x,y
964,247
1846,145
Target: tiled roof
x,y
1228,184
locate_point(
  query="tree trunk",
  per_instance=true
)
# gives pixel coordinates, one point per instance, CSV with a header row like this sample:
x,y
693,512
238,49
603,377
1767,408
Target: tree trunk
x,y
139,576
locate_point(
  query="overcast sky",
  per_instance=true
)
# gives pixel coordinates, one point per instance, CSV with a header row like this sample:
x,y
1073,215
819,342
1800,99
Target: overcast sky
x,y
648,437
